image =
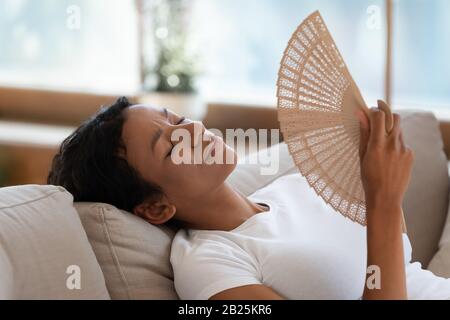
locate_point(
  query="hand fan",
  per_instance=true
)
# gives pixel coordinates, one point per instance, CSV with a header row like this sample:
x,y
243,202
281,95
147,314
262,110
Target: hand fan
x,y
317,104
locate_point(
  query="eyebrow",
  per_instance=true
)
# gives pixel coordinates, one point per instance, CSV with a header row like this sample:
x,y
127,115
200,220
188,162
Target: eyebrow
x,y
158,133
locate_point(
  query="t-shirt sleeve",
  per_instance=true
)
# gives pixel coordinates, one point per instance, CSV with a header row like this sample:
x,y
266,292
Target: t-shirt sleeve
x,y
207,269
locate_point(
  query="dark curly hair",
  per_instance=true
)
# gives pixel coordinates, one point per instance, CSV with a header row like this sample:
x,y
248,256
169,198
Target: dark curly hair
x,y
91,166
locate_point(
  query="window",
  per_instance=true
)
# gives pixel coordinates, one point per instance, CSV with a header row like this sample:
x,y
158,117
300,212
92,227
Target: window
x,y
71,44
239,45
421,53
242,42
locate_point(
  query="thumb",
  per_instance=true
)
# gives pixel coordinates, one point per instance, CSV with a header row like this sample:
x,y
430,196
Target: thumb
x,y
364,133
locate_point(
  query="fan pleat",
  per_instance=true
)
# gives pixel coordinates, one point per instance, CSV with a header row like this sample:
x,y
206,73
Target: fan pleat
x,y
327,88
355,184
331,74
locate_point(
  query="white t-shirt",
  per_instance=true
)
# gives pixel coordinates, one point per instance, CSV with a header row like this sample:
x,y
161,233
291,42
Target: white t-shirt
x,y
301,248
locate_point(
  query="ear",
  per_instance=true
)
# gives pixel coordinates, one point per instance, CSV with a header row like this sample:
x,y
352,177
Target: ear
x,y
155,212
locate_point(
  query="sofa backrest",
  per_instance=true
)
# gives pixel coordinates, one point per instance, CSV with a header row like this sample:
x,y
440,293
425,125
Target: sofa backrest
x,y
426,201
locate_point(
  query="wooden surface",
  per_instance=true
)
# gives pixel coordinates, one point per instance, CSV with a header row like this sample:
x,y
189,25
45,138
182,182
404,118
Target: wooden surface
x,y
55,107
228,116
26,164
26,151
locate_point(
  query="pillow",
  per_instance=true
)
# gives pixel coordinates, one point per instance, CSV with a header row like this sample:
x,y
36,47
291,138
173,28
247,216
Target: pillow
x,y
133,254
440,264
426,201
44,250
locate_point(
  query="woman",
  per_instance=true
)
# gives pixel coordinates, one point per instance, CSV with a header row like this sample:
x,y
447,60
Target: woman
x,y
276,244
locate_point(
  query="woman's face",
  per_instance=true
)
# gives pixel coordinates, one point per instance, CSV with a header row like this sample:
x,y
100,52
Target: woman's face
x,y
183,169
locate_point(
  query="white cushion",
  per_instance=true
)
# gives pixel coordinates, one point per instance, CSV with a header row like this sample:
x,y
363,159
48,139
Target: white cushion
x,y
41,237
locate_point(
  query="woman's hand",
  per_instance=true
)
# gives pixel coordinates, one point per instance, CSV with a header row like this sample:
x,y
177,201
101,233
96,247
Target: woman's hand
x,y
386,162
386,165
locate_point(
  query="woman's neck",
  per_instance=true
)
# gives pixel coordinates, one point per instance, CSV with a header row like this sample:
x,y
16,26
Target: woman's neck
x,y
222,209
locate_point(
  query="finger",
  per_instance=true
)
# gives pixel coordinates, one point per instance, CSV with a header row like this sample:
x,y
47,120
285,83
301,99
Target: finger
x,y
364,124
377,127
402,142
396,130
363,118
389,124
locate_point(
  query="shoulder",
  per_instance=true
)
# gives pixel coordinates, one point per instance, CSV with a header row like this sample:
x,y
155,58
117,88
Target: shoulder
x,y
205,263
191,246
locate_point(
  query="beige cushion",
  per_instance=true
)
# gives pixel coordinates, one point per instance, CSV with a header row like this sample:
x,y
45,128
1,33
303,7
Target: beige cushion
x,y
40,238
440,264
133,254
426,201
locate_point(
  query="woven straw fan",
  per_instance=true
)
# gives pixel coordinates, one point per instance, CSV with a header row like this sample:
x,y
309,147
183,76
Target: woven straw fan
x,y
317,104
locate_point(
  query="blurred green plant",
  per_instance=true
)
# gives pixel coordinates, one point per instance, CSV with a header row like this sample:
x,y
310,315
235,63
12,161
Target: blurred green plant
x,y
174,66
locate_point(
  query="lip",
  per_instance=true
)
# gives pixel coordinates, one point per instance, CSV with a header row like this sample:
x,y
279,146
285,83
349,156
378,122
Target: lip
x,y
211,148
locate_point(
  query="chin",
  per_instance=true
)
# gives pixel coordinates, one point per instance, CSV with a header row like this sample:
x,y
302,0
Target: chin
x,y
224,169
229,167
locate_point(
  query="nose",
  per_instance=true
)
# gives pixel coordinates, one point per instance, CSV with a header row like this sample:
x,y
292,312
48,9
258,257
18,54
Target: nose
x,y
195,129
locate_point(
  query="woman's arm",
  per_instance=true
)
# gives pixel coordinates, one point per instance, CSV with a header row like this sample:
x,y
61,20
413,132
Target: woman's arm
x,y
386,165
385,250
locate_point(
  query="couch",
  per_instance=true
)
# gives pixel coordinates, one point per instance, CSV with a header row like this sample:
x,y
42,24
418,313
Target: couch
x,y
52,248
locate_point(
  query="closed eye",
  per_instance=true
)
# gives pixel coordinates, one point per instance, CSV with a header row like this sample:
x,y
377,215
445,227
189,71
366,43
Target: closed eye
x,y
183,119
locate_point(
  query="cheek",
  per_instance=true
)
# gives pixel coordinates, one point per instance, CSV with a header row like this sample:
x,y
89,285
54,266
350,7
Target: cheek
x,y
191,180
180,177
229,157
